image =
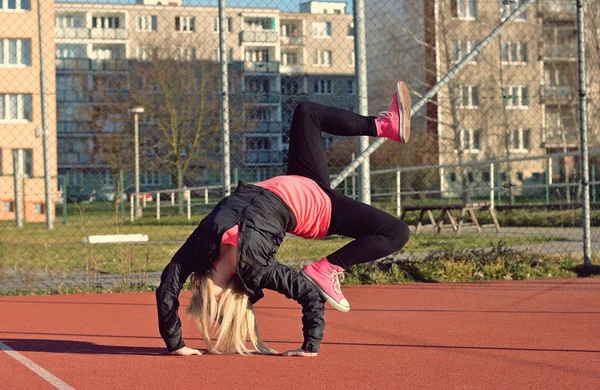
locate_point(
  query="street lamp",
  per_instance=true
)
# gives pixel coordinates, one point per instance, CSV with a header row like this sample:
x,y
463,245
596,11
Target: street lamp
x,y
138,207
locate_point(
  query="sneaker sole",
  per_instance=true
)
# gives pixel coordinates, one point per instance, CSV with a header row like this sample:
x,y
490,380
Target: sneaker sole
x,y
329,299
405,105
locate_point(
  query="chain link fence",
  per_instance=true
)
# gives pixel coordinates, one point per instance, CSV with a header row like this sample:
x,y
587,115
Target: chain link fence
x,y
112,122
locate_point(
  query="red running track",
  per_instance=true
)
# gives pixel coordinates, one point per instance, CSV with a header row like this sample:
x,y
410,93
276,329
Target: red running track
x,y
531,334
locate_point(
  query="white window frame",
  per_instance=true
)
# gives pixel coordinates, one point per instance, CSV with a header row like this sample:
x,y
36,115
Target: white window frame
x,y
324,86
507,8
7,104
512,91
18,6
216,24
470,89
187,24
69,21
103,22
322,30
460,48
471,134
351,59
147,23
285,58
5,53
323,58
522,148
464,11
150,178
146,53
508,46
186,53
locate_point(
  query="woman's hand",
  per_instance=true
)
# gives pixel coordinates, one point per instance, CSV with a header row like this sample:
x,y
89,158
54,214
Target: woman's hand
x,y
300,352
185,351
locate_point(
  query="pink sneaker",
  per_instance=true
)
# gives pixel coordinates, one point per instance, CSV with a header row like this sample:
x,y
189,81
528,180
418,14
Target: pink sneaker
x,y
395,123
326,278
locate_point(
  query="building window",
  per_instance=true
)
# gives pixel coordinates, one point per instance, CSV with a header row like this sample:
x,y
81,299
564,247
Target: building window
x,y
351,87
106,22
470,140
185,23
257,55
520,140
15,5
186,54
515,52
151,178
69,21
321,29
216,24
351,58
290,86
464,9
38,208
322,58
259,24
516,96
323,87
15,107
485,176
147,23
15,52
290,30
460,49
74,178
468,96
452,177
262,114
217,54
27,161
508,8
520,176
289,58
147,53
351,30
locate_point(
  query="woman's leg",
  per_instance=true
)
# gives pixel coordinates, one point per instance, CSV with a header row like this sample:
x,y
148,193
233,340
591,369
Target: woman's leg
x,y
306,156
377,234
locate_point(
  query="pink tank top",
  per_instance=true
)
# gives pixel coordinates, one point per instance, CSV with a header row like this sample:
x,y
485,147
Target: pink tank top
x,y
309,203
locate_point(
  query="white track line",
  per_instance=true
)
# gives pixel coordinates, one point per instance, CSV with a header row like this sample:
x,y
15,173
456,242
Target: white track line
x,y
48,377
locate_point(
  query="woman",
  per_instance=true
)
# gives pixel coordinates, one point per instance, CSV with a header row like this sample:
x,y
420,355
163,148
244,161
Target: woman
x,y
231,254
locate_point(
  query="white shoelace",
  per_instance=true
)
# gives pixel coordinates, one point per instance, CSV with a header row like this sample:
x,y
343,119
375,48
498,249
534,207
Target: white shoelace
x,y
336,278
386,114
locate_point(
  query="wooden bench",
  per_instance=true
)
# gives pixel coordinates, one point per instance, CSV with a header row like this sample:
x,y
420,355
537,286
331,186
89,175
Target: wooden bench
x,y
438,224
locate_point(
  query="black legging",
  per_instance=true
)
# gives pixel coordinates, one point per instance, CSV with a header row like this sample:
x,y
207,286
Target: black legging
x,y
377,233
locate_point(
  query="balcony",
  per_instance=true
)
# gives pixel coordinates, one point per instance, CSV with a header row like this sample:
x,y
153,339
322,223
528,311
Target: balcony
x,y
259,36
292,41
292,69
72,33
554,137
556,95
263,127
74,158
558,9
564,51
109,33
261,67
264,157
69,64
262,97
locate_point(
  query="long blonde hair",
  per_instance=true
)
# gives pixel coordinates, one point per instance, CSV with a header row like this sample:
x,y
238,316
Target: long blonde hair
x,y
231,319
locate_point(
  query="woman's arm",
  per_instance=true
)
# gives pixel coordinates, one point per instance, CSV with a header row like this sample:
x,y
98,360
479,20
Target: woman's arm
x,y
287,281
172,279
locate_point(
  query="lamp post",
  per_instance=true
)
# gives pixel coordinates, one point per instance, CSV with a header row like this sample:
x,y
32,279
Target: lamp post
x,y
138,207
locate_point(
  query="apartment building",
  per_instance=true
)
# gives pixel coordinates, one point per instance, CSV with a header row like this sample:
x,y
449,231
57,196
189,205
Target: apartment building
x,y
518,98
275,59
21,107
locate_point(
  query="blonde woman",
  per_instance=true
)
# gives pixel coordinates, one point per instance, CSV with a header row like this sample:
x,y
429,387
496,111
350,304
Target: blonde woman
x,y
231,254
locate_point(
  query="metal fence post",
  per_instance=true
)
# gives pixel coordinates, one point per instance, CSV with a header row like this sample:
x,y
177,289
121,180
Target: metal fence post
x,y
225,149
548,179
492,185
360,55
47,183
188,195
206,195
398,194
18,176
64,208
585,175
158,206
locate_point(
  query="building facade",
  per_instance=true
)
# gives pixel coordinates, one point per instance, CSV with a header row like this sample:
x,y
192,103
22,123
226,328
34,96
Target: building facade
x,y
275,60
21,108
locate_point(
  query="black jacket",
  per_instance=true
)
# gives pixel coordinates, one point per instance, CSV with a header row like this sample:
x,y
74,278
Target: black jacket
x,y
263,219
